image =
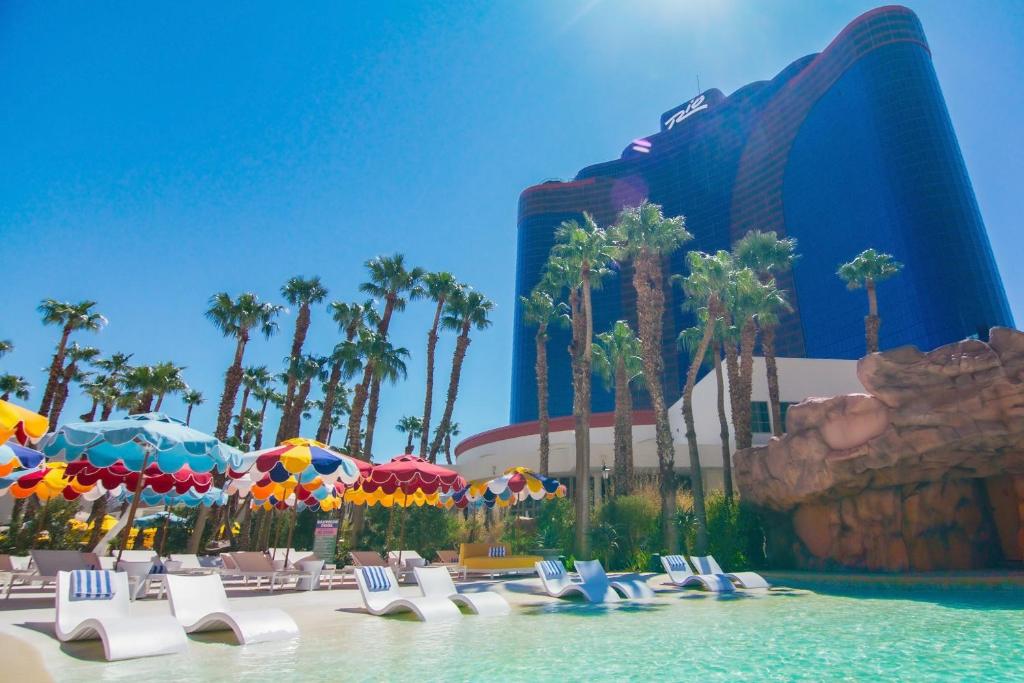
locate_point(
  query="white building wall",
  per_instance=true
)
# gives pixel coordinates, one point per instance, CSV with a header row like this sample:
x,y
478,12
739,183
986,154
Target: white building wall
x,y
799,378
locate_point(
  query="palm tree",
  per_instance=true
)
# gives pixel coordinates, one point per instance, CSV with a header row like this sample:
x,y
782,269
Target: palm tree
x,y
578,263
6,346
617,361
338,411
115,367
390,281
866,270
689,340
250,421
452,431
252,377
100,390
69,317
388,366
143,382
236,318
167,380
647,238
15,385
345,363
308,369
411,426
539,310
303,293
264,395
191,398
76,355
768,256
466,309
707,281
439,287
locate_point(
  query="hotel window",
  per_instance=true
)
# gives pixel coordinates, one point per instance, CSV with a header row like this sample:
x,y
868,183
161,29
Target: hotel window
x,y
760,419
783,409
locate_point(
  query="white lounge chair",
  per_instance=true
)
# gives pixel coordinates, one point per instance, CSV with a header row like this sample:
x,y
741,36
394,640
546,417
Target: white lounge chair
x,y
436,582
109,619
558,583
708,565
188,561
48,563
593,574
680,574
199,603
379,590
409,560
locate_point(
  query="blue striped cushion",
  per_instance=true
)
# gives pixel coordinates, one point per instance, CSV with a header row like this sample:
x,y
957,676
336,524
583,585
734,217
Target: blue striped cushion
x,y
496,551
158,569
376,579
552,569
87,584
676,563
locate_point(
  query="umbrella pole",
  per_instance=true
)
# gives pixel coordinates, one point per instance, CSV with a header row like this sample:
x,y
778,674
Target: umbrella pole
x,y
135,504
291,530
163,534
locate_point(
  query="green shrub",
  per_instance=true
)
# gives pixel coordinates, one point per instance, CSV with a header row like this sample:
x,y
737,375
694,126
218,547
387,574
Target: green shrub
x,y
635,521
556,522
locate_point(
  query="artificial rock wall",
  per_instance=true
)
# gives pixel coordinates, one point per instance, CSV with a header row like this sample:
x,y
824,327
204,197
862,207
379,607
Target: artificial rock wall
x,y
923,472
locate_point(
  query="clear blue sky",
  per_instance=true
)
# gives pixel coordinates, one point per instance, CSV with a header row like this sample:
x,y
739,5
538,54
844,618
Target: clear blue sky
x,y
152,154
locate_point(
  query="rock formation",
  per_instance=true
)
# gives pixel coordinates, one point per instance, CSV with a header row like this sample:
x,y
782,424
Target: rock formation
x,y
925,471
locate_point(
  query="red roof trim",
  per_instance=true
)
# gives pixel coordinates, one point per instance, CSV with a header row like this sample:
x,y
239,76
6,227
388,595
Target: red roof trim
x,y
557,424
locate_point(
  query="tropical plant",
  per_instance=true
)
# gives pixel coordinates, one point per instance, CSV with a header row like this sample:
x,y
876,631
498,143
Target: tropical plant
x,y
345,362
617,361
115,368
253,377
265,395
6,346
303,293
438,287
539,310
578,263
411,426
466,310
647,237
446,440
309,369
70,317
191,398
768,256
76,355
168,380
99,390
14,385
388,366
866,270
236,318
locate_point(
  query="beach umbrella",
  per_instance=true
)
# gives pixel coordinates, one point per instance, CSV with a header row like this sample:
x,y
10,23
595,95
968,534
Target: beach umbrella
x,y
138,441
14,456
20,423
45,482
404,481
154,479
305,459
515,485
156,519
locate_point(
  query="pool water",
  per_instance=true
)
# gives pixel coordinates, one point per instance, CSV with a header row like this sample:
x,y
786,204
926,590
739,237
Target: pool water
x,y
796,635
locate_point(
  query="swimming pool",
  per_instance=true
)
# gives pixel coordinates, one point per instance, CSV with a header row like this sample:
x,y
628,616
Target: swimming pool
x,y
917,634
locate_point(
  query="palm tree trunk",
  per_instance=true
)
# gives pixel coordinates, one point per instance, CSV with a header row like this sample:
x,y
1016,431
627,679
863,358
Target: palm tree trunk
x,y
96,515
461,346
872,323
428,399
323,430
543,420
650,293
581,413
60,397
298,340
241,411
188,415
159,403
91,415
748,337
772,372
295,428
622,480
259,433
355,417
408,443
723,427
371,415
108,408
56,366
448,448
696,476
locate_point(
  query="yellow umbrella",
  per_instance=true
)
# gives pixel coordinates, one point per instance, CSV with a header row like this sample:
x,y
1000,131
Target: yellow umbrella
x,y
20,423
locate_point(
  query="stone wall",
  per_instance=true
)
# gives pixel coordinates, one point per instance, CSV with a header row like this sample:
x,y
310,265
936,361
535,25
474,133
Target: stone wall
x,y
923,472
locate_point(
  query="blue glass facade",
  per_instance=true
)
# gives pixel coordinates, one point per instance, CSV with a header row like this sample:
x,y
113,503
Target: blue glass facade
x,y
846,149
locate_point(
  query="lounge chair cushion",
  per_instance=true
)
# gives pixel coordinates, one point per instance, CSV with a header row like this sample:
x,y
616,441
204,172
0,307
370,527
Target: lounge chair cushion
x,y
91,585
476,556
497,551
376,579
676,563
552,569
